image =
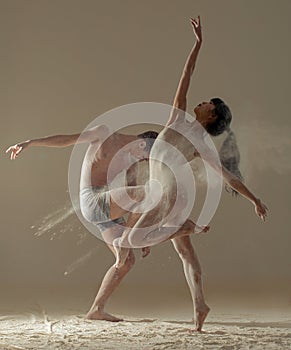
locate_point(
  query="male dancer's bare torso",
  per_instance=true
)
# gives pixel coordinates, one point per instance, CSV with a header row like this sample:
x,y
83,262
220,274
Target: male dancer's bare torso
x,y
99,157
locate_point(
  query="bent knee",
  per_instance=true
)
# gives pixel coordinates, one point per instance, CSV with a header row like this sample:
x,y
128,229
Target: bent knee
x,y
188,226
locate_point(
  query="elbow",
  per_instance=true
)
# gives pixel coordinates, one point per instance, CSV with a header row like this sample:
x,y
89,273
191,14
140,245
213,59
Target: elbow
x,y
98,132
235,183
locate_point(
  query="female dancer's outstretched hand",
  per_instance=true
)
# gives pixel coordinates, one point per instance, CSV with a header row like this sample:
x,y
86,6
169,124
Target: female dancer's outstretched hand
x,y
261,209
197,28
16,149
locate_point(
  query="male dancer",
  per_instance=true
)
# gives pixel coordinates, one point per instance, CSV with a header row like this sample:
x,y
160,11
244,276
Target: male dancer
x,y
106,209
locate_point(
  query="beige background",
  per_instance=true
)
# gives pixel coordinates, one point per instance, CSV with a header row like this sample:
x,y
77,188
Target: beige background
x,y
65,62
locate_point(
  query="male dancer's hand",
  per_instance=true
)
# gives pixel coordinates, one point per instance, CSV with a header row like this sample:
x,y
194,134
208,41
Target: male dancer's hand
x,y
16,149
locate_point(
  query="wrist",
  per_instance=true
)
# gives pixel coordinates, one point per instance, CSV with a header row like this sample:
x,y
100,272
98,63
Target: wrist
x,y
199,41
256,201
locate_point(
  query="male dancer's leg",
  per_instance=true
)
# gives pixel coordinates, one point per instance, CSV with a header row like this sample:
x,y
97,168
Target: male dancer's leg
x,y
111,280
124,199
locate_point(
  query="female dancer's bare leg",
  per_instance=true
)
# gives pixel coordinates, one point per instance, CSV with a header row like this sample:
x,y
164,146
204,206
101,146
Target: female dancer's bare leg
x,y
192,271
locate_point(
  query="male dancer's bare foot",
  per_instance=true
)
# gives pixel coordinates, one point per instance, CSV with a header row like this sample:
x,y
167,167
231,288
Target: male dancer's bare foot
x,y
201,314
121,256
102,315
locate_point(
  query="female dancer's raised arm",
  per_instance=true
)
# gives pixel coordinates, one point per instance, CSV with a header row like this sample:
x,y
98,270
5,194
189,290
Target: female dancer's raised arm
x,y
180,100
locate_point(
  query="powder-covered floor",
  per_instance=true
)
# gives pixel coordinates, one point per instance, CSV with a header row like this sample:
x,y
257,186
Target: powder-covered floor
x,y
69,332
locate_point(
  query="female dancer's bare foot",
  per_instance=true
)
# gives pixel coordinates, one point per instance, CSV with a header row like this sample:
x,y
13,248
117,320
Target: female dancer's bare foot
x,y
201,314
102,315
188,228
201,229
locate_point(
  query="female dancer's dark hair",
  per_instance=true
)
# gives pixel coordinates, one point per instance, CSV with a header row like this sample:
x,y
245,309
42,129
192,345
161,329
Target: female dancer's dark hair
x,y
228,153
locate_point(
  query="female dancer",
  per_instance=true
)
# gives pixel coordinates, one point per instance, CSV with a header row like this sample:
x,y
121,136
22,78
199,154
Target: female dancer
x,y
214,117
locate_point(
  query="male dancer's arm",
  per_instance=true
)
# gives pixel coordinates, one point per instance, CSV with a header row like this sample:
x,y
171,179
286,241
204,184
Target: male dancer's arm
x,y
180,100
88,136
